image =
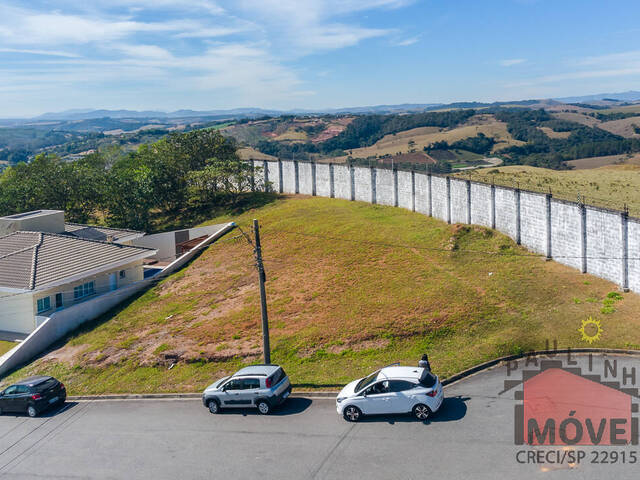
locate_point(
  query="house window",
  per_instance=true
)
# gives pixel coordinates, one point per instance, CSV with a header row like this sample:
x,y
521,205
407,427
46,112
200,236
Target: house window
x,y
83,290
44,304
59,303
123,273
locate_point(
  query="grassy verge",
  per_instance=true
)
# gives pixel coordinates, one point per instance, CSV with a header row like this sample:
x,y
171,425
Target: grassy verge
x,y
351,286
6,346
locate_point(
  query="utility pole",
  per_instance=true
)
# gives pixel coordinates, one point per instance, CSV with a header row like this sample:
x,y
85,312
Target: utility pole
x,y
263,295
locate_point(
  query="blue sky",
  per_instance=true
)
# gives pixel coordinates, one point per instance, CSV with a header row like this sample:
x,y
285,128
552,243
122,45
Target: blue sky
x,y
210,54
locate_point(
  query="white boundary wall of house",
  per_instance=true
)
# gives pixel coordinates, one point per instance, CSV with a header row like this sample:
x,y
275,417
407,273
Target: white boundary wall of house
x,y
53,328
604,243
165,242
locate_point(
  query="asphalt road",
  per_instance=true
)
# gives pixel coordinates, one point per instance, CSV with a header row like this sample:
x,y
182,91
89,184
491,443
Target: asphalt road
x,y
471,437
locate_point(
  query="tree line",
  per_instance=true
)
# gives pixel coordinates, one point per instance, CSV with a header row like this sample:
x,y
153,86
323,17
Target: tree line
x,y
184,170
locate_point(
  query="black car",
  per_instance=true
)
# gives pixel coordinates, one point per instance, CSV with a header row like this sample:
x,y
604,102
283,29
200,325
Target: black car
x,y
32,395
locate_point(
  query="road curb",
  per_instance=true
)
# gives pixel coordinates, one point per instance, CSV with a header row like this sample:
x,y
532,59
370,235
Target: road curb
x,y
324,394
535,353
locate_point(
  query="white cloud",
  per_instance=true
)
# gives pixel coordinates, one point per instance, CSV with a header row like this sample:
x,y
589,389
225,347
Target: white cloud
x,y
50,53
233,52
406,42
308,26
511,62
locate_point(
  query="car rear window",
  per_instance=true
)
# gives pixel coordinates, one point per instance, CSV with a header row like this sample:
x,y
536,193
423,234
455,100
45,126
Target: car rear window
x,y
428,379
46,385
278,376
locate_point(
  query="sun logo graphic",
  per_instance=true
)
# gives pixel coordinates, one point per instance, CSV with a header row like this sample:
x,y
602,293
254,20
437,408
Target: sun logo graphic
x,y
590,330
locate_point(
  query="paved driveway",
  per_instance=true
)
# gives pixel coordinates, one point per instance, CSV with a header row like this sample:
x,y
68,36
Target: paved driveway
x,y
471,437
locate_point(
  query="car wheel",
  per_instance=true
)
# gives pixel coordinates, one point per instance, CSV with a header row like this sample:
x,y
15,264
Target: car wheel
x,y
421,412
263,407
31,411
352,414
1,412
213,406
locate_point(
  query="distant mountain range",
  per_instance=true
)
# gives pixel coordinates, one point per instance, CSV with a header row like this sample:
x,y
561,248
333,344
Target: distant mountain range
x,y
86,114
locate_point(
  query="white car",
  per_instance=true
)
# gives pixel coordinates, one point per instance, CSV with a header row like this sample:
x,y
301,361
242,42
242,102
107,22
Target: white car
x,y
392,389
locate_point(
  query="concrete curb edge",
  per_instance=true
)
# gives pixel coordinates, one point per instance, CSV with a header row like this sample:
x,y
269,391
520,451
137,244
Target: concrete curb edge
x,y
324,394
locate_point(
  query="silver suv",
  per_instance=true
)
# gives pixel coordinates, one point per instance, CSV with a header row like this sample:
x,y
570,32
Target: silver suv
x,y
261,386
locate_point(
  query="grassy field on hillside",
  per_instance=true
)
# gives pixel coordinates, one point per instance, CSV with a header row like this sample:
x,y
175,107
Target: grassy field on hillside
x,y
351,287
610,187
424,136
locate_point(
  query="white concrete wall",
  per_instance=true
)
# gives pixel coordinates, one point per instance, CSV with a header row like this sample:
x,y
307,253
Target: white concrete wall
x,y
16,312
165,242
384,187
439,197
604,241
306,178
422,193
274,176
342,182
558,230
405,191
288,177
362,178
566,233
323,185
481,204
533,221
459,208
258,175
506,214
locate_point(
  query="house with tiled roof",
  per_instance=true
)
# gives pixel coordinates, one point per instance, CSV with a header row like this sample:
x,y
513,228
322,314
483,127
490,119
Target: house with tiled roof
x,y
47,265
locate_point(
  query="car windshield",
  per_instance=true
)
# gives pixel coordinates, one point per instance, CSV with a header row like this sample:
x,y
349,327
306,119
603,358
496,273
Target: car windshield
x,y
366,381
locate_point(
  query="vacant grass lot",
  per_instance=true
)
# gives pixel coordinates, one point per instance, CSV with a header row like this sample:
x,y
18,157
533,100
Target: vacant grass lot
x,y
610,187
351,287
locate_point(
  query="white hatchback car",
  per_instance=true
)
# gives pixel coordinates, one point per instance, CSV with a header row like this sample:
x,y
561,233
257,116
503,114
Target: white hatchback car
x,y
392,389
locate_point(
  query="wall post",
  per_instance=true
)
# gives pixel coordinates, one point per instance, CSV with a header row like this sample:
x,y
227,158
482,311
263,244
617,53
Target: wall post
x,y
624,233
518,222
429,185
583,238
468,187
547,205
374,173
280,186
265,168
448,198
332,189
253,175
352,181
296,170
313,179
493,207
395,187
413,190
